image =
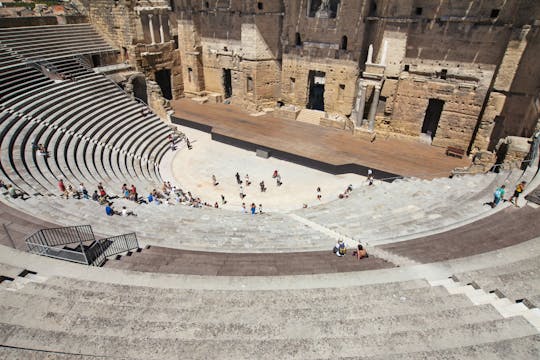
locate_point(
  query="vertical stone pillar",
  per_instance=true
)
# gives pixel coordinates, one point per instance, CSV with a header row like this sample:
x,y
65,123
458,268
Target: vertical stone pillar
x,y
384,51
360,103
370,54
161,34
373,108
151,26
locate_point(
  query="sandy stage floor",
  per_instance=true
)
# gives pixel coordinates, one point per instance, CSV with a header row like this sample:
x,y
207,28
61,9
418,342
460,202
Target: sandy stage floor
x,y
193,170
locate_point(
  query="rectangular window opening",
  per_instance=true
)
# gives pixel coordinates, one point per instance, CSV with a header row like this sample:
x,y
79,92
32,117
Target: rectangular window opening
x,y
494,13
418,11
249,84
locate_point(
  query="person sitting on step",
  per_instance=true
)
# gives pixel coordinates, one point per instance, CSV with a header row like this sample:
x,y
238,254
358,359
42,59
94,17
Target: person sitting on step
x,y
360,252
340,249
17,193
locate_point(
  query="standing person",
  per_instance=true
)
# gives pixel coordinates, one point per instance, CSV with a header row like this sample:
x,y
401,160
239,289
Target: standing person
x,y
61,186
83,191
238,181
498,195
242,195
319,196
253,208
275,174
244,210
278,180
223,202
370,180
214,180
188,143
519,189
263,187
260,209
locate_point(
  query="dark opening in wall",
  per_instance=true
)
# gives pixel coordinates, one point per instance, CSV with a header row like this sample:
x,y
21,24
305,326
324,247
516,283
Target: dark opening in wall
x,y
175,38
418,11
227,83
494,13
260,5
343,45
249,84
406,68
297,39
163,78
444,73
172,5
316,84
189,73
139,88
96,60
206,4
373,9
432,117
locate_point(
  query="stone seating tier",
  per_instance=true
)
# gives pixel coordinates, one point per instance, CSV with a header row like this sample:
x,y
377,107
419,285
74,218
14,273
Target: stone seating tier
x,y
402,319
82,111
50,42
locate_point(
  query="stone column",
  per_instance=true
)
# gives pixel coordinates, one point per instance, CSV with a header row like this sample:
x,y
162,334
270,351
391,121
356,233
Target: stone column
x,y
384,51
151,26
360,103
370,54
373,108
161,29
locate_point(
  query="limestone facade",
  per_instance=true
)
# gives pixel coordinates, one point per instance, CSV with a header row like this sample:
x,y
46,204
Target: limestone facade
x,y
458,73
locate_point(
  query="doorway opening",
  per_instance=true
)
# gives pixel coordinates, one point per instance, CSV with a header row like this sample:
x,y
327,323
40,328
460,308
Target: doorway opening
x,y
163,78
227,83
96,60
433,115
139,88
316,90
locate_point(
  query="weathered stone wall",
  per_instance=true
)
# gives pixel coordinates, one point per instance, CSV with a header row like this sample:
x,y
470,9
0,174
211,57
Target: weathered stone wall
x,y
235,36
445,50
340,82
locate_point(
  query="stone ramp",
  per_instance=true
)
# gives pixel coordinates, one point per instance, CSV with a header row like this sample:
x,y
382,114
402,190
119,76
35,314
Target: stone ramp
x,y
19,225
504,228
175,261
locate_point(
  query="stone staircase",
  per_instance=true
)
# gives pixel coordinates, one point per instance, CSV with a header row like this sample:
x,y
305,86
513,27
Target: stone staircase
x,y
310,116
407,319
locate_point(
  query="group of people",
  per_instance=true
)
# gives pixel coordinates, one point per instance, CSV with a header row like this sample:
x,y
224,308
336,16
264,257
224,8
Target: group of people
x,y
13,192
40,149
173,140
499,193
341,250
253,209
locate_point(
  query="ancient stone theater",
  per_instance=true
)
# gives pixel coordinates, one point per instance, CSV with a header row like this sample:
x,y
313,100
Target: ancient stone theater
x,y
273,179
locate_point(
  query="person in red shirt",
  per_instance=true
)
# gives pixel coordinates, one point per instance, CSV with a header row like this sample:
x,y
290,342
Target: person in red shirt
x,y
61,186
